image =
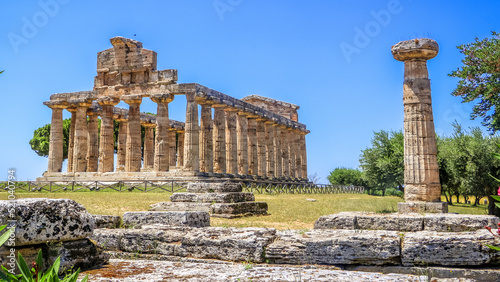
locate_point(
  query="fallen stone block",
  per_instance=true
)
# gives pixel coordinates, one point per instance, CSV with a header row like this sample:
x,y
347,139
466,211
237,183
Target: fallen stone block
x,y
234,197
447,248
243,208
40,220
174,218
180,206
233,244
214,187
459,222
107,221
335,247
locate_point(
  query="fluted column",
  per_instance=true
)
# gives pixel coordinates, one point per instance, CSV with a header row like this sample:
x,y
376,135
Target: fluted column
x,y
291,152
278,167
261,147
284,151
242,131
93,142
107,141
122,143
253,161
81,134
191,137
303,154
180,149
231,142
220,138
71,141
206,138
162,142
133,158
56,152
149,147
270,148
172,148
298,157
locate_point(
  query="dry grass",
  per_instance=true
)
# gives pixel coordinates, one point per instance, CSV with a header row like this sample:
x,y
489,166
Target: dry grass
x,y
287,211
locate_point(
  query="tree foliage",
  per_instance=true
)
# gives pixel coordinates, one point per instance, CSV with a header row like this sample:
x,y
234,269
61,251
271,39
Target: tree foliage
x,y
480,79
346,176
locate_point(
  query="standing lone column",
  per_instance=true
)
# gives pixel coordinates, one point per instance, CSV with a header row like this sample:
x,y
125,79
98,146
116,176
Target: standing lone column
x,y
220,138
231,142
242,130
122,144
93,142
191,138
81,134
206,138
56,136
107,140
421,177
162,146
270,148
133,156
149,149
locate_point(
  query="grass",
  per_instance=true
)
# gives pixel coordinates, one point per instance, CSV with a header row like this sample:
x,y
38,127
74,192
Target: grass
x,y
287,211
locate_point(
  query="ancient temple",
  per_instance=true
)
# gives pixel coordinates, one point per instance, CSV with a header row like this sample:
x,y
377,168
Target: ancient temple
x,y
223,138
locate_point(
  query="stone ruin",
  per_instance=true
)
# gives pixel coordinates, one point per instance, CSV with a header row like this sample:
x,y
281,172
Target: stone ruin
x,y
254,139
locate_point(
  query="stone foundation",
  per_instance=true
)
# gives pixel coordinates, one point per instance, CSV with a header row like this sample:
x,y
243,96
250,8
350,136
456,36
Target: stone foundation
x,y
172,218
423,207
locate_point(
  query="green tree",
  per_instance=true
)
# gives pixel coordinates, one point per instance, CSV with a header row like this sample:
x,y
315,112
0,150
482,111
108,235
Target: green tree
x,y
346,176
383,163
480,79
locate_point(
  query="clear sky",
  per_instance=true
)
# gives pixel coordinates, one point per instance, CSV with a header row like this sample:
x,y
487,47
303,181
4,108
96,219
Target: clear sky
x,y
332,58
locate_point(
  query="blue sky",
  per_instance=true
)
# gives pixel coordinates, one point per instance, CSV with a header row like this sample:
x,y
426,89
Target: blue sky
x,y
330,57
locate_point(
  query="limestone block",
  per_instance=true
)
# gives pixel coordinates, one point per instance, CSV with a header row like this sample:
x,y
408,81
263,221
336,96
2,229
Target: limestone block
x,y
180,206
107,221
239,208
234,244
447,248
423,207
335,247
40,221
342,220
459,222
214,187
234,197
175,218
109,239
395,222
165,241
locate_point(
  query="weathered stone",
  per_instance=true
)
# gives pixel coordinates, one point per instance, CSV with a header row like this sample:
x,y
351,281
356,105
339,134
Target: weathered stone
x,y
191,136
342,220
39,221
446,248
175,218
423,207
335,247
234,244
241,208
214,187
459,222
166,241
234,197
180,206
394,221
107,221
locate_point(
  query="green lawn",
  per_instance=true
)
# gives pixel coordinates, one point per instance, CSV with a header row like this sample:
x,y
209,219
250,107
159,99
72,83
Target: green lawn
x,y
287,211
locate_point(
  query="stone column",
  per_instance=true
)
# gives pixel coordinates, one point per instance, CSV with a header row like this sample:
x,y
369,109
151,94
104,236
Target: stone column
x,y
291,152
71,141
421,176
298,159
303,153
253,161
180,149
261,147
81,134
278,168
231,142
107,140
93,142
56,151
191,138
270,148
162,144
133,158
220,138
206,138
242,132
284,151
149,147
122,143
172,148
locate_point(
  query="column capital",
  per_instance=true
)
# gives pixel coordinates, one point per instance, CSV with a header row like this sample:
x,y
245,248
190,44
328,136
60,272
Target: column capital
x,y
230,109
108,100
132,99
121,118
162,98
56,104
415,49
271,122
203,101
80,102
147,124
243,113
91,112
216,105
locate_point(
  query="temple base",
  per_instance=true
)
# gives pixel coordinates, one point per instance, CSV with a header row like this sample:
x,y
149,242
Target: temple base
x,y
423,207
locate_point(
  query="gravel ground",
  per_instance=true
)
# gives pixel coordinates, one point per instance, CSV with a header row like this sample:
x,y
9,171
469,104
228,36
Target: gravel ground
x,y
155,271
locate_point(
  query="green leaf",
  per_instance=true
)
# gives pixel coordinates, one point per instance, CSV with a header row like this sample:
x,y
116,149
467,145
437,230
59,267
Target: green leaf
x,y
497,198
5,236
85,279
496,248
23,267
